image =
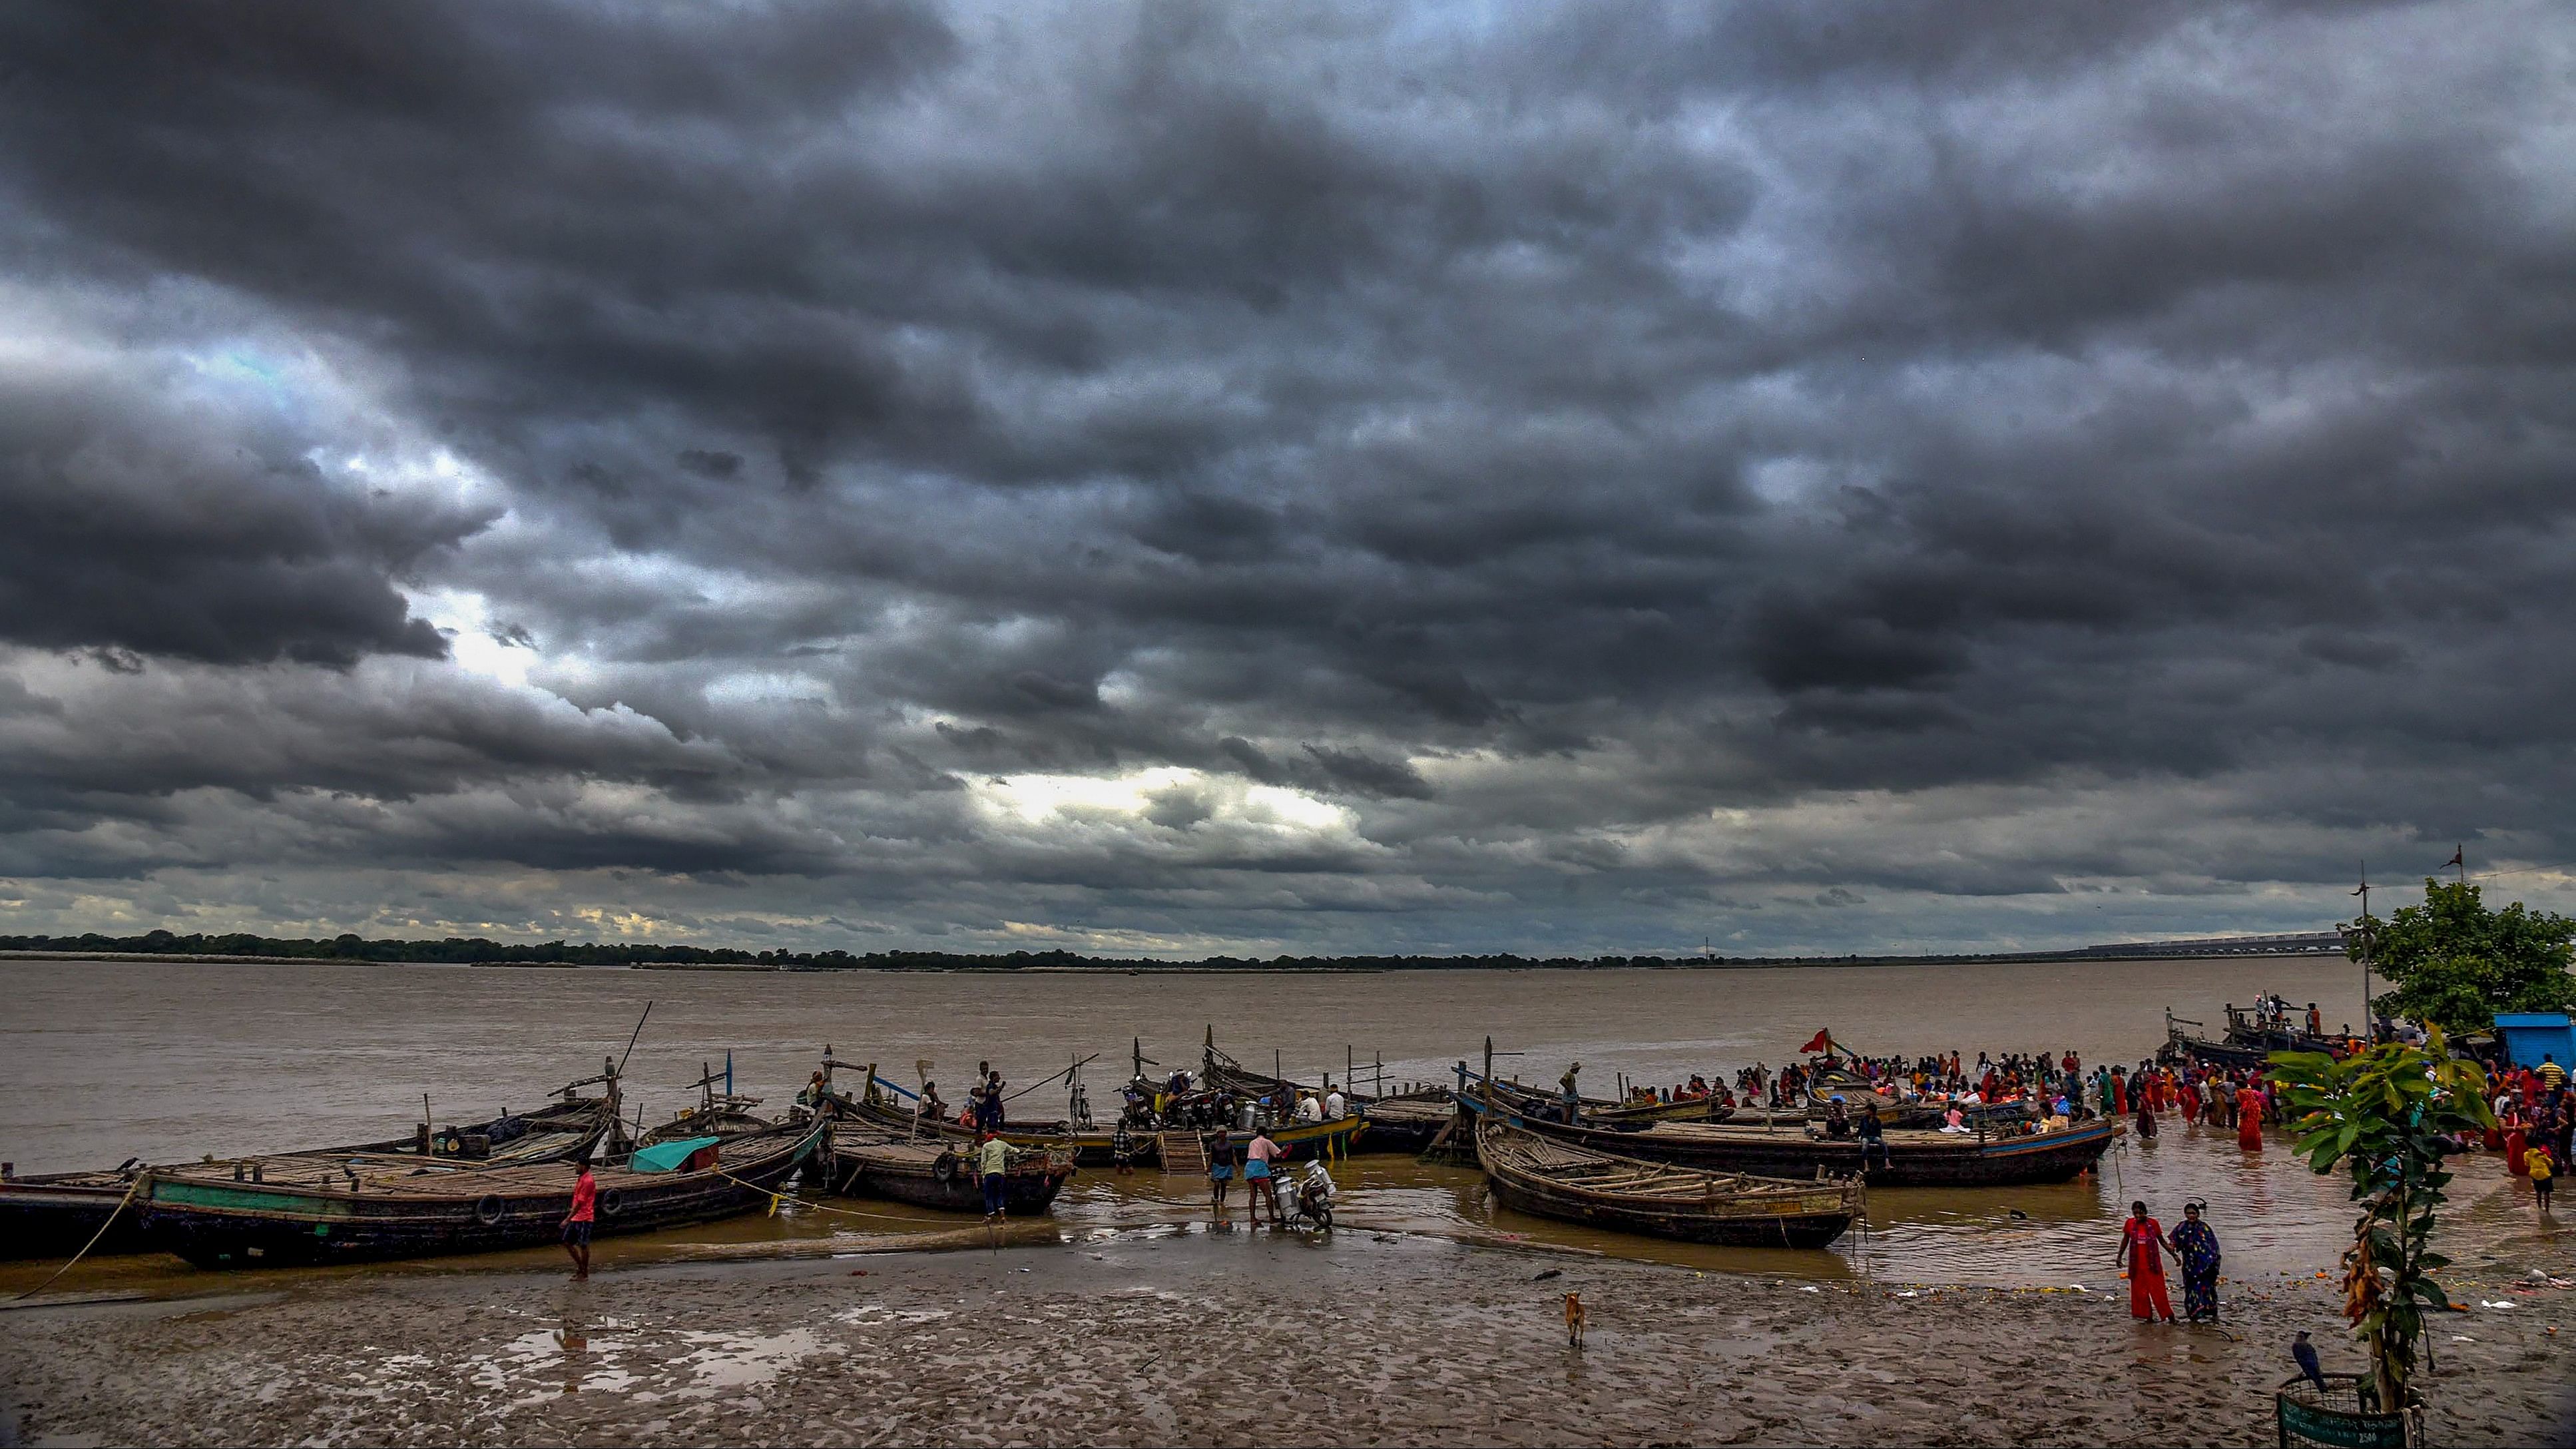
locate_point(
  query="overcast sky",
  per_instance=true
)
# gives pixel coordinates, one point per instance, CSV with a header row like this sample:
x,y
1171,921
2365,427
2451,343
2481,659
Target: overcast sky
x,y
1282,478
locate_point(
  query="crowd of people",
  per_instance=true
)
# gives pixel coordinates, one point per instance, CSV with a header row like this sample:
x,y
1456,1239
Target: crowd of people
x,y
2535,1119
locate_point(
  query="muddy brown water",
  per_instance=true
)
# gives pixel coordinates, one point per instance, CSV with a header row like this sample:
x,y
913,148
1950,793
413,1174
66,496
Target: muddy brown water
x,y
102,1061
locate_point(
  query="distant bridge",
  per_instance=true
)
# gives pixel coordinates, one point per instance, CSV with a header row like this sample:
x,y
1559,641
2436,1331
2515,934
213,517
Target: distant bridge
x,y
2296,943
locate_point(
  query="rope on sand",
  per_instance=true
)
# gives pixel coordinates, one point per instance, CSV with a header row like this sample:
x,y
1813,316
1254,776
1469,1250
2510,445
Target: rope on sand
x,y
130,1191
775,1198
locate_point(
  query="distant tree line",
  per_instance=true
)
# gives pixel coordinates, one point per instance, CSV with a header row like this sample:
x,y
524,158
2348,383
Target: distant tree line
x,y
475,950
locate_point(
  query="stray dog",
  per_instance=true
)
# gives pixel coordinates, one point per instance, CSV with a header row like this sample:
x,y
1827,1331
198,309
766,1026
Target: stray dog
x,y
1574,1320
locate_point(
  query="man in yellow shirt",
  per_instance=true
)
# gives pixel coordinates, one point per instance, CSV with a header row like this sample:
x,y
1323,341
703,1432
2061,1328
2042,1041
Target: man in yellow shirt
x,y
993,1162
2552,1073
2542,1171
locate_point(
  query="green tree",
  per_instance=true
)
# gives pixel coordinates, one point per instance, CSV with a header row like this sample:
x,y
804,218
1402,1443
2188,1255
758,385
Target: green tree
x,y
2456,963
2384,1112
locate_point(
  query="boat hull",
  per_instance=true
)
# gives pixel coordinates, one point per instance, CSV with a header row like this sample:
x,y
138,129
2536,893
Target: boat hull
x,y
904,1173
1962,1162
1532,1173
217,1224
55,1217
1781,1230
1089,1149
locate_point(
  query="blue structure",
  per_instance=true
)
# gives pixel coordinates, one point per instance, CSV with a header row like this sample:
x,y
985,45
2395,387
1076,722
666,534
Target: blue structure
x,y
2528,1034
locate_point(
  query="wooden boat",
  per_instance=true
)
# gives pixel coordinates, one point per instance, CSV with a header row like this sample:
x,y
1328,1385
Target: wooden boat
x,y
1409,1123
887,1105
1711,1108
1597,1111
1332,1138
2250,1040
869,1161
2183,1047
1547,1177
323,1208
1915,1158
55,1214
717,1114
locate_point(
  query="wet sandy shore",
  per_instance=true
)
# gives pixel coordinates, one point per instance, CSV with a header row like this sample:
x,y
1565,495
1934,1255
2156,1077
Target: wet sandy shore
x,y
1159,1337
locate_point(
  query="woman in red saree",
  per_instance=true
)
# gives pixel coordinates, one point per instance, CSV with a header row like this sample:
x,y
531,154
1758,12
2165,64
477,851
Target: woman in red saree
x,y
2142,1251
2187,1096
2249,1118
2119,1092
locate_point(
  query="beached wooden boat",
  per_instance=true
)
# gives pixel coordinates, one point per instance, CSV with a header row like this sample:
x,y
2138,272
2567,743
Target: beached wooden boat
x,y
1094,1148
1408,1123
1621,1115
52,1215
1597,1111
327,1208
55,1214
1334,1138
1551,1178
870,1161
1915,1158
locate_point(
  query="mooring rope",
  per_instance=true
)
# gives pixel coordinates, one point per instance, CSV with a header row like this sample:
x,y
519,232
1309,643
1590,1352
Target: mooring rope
x,y
92,1243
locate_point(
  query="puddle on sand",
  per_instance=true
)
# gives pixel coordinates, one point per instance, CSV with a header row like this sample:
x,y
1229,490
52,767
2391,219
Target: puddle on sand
x,y
736,1361
868,1314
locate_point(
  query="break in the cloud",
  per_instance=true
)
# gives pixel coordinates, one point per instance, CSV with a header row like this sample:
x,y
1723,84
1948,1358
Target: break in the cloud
x,y
1191,477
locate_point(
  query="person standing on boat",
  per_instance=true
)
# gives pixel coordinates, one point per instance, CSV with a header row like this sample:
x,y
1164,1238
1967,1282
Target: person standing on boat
x,y
993,1160
576,1224
1572,1099
2142,1252
1336,1106
2195,1246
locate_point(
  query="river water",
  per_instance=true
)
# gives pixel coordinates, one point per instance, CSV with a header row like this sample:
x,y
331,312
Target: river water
x,y
106,1060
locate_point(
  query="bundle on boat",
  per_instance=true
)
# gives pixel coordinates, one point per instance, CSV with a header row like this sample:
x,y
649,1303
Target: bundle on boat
x,y
873,1161
53,1215
1550,1178
334,1208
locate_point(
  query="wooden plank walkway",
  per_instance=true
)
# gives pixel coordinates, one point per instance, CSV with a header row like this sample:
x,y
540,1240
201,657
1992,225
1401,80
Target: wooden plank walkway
x,y
1184,1152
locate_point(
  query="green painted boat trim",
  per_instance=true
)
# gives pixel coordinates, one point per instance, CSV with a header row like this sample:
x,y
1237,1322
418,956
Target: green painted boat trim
x,y
249,1199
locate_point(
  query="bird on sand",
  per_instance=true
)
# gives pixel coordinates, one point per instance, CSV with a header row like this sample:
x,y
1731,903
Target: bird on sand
x,y
2306,1353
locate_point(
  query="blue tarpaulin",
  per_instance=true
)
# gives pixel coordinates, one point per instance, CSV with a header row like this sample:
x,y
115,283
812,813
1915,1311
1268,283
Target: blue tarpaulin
x,y
664,1156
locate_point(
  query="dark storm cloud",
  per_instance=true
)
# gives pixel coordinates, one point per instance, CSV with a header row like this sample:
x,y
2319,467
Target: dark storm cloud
x,y
135,527
1537,477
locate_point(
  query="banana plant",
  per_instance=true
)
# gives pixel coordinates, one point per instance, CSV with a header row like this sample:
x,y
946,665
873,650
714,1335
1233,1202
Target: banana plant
x,y
2386,1114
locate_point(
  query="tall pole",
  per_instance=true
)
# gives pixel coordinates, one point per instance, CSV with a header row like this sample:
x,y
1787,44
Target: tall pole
x,y
2460,856
2369,1030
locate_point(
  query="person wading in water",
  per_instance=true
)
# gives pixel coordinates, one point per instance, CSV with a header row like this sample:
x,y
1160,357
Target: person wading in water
x,y
2142,1251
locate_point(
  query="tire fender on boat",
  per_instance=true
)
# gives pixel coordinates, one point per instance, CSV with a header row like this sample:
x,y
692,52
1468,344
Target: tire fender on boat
x,y
610,1200
945,1169
490,1209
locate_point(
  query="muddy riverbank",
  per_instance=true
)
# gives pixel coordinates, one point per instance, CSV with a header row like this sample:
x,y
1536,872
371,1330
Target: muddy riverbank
x,y
1186,1335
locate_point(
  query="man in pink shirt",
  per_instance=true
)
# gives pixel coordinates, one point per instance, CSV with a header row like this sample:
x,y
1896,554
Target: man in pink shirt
x,y
1257,1182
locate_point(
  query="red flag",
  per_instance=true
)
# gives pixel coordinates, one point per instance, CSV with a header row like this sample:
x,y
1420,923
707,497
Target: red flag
x,y
1824,1040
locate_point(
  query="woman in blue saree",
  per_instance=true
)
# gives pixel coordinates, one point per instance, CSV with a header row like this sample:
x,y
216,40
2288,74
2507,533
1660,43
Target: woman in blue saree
x,y
2197,1247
